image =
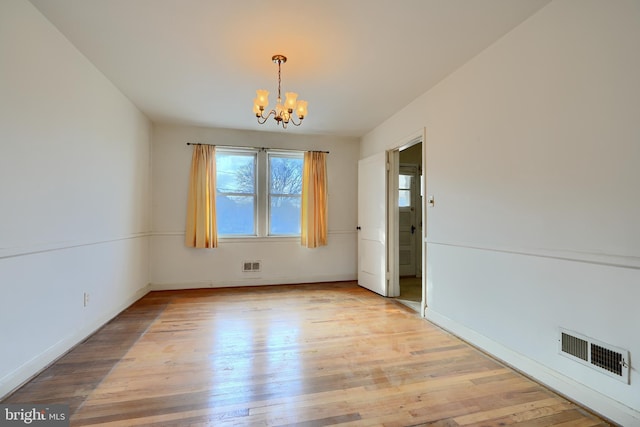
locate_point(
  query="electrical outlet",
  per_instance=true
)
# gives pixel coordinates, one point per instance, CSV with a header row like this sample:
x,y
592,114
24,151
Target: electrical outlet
x,y
86,299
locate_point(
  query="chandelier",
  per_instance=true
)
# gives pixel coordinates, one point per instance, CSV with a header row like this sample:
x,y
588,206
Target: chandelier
x,y
283,113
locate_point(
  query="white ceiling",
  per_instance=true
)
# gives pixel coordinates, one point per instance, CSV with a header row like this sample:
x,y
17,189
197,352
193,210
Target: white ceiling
x,y
356,62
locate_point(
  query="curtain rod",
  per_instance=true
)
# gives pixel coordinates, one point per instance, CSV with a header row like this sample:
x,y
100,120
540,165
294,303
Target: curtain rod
x,y
256,148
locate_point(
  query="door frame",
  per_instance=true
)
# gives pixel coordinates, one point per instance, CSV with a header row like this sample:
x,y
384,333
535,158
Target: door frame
x,y
393,225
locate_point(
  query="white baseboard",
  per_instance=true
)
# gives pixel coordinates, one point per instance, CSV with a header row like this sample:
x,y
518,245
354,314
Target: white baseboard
x,y
27,371
595,401
255,281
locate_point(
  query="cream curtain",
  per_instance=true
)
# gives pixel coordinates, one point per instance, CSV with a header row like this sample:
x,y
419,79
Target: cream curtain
x,y
313,212
201,204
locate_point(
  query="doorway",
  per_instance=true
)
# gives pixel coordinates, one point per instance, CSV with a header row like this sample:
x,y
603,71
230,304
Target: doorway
x,y
380,252
409,227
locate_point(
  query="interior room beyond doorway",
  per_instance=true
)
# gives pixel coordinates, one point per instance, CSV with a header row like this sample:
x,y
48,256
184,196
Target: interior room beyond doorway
x,y
409,248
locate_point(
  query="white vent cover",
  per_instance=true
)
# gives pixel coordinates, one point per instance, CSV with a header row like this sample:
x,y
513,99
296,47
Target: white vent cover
x,y
250,266
602,357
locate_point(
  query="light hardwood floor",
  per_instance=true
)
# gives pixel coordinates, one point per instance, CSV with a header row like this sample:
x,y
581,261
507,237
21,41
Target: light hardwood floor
x,y
411,288
304,355
410,292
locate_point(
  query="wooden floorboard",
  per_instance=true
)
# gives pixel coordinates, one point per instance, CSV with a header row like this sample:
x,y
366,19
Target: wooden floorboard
x,y
296,355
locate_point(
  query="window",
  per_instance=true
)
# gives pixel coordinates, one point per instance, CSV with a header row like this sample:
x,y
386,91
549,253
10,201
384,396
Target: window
x,y
404,190
258,192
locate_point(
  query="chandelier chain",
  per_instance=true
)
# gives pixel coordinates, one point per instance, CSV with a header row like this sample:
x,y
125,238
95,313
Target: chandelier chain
x,y
279,78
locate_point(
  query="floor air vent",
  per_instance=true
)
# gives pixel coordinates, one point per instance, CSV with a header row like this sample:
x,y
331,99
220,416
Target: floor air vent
x,y
605,358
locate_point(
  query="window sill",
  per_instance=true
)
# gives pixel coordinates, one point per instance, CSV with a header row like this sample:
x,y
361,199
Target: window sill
x,y
254,239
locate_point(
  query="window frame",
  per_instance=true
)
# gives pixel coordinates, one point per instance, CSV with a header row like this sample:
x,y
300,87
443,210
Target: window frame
x,y
262,194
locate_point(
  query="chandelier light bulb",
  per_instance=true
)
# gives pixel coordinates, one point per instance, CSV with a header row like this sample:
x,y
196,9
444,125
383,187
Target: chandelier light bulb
x,y
256,108
301,109
290,101
263,98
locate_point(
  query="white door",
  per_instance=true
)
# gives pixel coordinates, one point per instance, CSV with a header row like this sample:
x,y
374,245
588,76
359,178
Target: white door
x,y
372,223
407,227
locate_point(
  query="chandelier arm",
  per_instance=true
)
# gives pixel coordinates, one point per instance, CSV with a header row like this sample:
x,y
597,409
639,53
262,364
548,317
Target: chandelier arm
x,y
265,118
291,120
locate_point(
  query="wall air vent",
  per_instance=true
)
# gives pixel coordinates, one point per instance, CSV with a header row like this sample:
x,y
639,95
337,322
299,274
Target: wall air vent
x,y
602,357
575,346
609,360
250,266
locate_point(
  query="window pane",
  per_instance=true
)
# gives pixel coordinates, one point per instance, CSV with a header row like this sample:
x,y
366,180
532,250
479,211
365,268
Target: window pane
x,y
285,215
235,177
235,172
285,175
235,215
404,198
285,187
405,181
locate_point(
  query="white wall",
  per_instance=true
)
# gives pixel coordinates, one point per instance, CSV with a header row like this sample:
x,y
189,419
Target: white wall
x,y
74,195
283,259
532,155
